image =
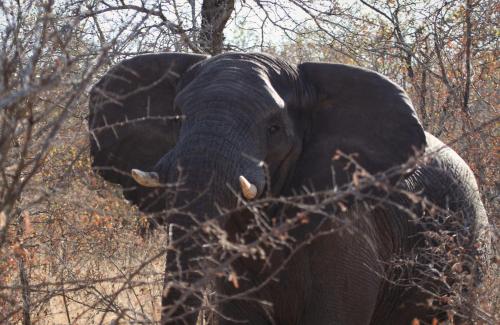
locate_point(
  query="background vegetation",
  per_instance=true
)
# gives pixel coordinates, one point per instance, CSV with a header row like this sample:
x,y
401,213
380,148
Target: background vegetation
x,y
70,247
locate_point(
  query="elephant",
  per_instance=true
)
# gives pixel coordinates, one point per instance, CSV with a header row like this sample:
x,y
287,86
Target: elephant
x,y
226,149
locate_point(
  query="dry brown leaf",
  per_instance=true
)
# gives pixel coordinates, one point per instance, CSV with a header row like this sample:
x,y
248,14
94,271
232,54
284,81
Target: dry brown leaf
x,y
233,278
3,220
342,206
20,251
303,217
28,227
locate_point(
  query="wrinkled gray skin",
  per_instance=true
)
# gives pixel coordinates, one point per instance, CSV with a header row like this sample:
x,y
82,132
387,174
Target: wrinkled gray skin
x,y
240,109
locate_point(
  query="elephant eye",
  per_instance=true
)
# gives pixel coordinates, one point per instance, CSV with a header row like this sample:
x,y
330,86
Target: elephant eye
x,y
273,129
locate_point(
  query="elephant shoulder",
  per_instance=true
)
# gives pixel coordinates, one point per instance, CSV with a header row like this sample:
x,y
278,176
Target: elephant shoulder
x,y
447,181
443,164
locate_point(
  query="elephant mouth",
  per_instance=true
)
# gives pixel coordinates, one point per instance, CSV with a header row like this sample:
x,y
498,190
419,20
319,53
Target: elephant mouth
x,y
256,186
282,173
207,178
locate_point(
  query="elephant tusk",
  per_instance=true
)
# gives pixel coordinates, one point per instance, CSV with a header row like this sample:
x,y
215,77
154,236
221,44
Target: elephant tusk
x,y
248,189
146,179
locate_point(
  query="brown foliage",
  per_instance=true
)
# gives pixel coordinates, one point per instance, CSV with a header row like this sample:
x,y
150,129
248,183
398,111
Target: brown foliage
x,y
69,245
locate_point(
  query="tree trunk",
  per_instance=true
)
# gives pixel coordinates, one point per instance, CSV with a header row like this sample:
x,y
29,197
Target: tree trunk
x,y
214,17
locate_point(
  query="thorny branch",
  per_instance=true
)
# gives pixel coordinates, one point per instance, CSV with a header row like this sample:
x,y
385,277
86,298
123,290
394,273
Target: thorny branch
x,y
51,52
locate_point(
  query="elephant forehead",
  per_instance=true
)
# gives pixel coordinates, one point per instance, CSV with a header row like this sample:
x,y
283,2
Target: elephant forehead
x,y
246,87
276,98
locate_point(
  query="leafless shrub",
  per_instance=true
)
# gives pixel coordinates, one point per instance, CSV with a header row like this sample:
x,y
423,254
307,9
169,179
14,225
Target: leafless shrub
x,y
69,247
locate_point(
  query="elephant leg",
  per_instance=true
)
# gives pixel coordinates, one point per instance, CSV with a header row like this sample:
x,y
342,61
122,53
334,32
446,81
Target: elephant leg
x,y
179,306
415,306
173,315
345,284
335,304
244,310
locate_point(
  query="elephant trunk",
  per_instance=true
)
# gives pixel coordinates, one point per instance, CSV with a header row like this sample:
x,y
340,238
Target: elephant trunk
x,y
207,170
211,156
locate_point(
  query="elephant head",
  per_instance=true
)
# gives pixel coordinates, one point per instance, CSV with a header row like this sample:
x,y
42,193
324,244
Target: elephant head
x,y
239,125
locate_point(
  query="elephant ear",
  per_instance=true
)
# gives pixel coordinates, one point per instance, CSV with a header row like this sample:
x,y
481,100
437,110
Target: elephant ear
x,y
361,112
132,120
